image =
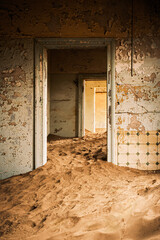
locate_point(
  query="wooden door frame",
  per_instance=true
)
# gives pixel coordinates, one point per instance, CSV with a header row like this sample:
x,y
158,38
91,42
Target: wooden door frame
x,y
40,158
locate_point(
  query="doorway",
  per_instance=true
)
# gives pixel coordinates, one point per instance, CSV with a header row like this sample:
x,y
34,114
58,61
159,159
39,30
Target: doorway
x,y
41,106
95,106
92,103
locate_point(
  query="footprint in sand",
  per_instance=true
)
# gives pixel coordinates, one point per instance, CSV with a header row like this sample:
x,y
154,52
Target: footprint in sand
x,y
62,154
33,207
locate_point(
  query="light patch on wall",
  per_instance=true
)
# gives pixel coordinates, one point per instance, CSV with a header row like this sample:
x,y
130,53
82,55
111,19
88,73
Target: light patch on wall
x,y
100,109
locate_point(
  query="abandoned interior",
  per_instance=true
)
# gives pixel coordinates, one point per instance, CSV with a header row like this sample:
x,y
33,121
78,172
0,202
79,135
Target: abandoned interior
x,y
80,120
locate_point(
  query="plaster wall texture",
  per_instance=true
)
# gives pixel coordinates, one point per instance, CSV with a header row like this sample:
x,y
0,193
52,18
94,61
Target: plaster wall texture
x,y
63,115
137,100
63,18
16,107
77,61
137,97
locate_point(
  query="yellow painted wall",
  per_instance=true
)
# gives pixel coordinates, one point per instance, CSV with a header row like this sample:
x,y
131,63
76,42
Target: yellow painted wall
x,y
100,109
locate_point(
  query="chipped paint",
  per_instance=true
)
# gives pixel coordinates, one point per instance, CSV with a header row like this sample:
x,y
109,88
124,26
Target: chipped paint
x,y
137,97
135,124
16,84
79,19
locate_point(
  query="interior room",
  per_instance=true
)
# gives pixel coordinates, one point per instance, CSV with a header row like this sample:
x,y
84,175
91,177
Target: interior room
x,y
64,70
80,120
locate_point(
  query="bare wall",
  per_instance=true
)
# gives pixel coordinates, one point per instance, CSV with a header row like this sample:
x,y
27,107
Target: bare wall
x,y
63,105
101,108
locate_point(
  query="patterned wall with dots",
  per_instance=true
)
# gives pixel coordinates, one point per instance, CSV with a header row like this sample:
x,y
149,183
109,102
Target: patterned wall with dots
x,y
139,150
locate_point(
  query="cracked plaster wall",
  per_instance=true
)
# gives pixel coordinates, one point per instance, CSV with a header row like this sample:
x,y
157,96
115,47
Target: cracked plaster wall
x,y
63,18
137,103
137,97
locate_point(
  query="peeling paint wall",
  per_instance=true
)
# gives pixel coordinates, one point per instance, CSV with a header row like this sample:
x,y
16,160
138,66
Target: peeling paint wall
x,y
63,18
137,101
64,69
16,107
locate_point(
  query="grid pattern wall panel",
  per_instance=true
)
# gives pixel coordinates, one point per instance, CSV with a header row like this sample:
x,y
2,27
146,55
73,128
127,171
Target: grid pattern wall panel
x,y
139,149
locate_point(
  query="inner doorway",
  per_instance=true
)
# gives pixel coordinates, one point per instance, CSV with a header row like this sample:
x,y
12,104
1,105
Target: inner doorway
x,y
95,106
41,48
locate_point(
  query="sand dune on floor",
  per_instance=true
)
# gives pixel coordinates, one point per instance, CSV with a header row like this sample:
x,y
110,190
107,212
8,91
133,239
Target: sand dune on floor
x,y
78,195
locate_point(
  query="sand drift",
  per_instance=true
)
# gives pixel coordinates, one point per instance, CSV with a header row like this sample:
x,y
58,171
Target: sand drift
x,y
78,195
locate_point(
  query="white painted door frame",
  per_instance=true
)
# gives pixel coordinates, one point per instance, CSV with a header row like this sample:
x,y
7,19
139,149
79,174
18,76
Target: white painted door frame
x,y
111,132
40,99
40,105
